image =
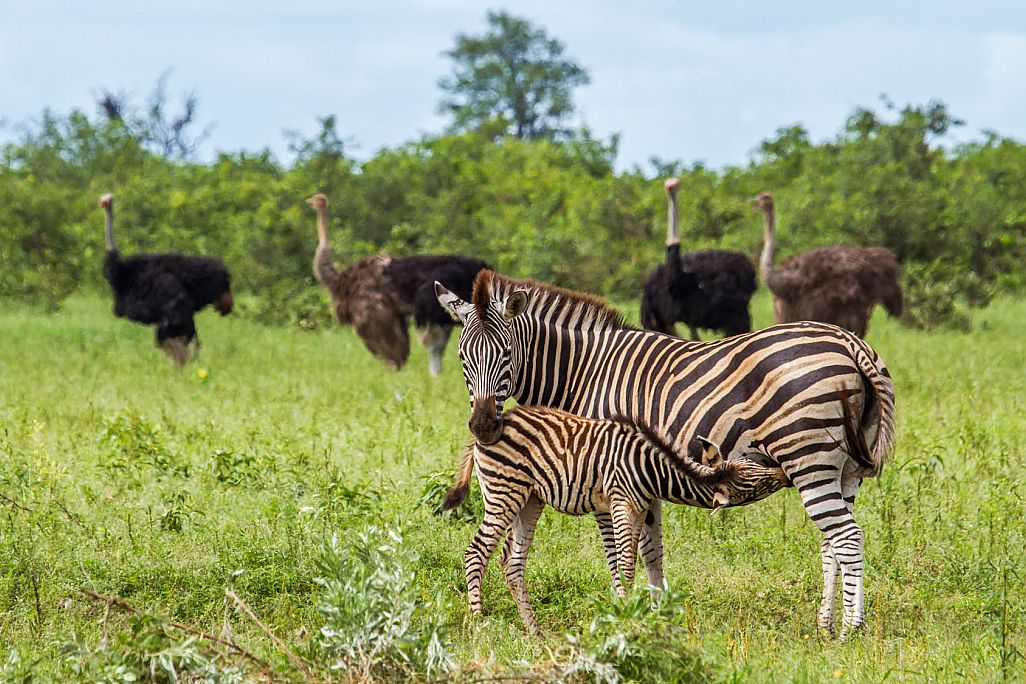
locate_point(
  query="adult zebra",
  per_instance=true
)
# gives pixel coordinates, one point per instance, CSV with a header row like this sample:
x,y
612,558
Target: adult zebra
x,y
784,392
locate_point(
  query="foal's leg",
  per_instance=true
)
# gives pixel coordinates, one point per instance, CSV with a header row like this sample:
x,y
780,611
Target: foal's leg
x,y
515,564
627,525
605,525
496,522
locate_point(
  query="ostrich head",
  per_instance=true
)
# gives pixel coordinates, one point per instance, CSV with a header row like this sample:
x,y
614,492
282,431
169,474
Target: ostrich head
x,y
672,185
107,201
763,201
318,201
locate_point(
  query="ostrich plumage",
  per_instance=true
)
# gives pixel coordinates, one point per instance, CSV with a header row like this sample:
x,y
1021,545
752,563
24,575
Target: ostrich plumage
x,y
377,295
838,285
165,290
709,289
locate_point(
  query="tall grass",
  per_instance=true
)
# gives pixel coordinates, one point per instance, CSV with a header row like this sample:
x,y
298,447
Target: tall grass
x,y
120,475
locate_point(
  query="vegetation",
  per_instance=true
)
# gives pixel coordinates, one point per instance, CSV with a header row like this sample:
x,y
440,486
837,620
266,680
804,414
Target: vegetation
x,y
553,210
292,471
514,79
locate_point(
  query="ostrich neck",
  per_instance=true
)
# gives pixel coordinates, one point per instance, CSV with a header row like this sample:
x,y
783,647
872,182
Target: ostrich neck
x,y
108,230
322,227
769,237
672,236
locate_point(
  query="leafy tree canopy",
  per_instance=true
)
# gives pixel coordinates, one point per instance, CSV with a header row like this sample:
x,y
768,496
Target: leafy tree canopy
x,y
514,74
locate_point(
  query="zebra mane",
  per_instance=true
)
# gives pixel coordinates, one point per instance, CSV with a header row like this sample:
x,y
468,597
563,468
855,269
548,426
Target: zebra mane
x,y
706,474
547,303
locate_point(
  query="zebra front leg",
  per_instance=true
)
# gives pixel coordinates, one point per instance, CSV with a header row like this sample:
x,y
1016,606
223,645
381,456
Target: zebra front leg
x,y
652,545
605,525
518,543
494,525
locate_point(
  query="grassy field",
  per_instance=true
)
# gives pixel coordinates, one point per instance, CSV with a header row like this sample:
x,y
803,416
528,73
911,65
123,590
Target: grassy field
x,y
120,475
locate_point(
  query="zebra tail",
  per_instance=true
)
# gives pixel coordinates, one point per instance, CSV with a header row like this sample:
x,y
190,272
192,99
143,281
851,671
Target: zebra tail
x,y
878,379
459,490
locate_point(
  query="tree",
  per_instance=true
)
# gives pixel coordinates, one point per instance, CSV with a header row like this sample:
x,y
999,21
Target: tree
x,y
516,74
159,131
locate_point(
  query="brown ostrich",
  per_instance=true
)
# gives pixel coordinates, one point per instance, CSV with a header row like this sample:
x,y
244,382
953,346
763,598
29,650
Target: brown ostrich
x,y
838,285
376,295
709,288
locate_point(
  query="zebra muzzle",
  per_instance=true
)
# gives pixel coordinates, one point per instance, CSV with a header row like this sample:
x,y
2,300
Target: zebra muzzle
x,y
485,420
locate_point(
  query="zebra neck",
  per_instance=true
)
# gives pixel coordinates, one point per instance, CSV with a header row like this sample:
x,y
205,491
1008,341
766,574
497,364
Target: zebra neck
x,y
567,369
678,488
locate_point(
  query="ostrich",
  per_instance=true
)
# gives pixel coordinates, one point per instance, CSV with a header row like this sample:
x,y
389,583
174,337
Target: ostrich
x,y
377,294
706,289
838,285
165,290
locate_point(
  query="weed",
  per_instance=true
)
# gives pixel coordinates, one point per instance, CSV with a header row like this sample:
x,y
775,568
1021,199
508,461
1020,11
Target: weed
x,y
149,651
375,623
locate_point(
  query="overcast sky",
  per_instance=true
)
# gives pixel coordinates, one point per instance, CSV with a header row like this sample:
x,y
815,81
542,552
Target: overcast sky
x,y
678,80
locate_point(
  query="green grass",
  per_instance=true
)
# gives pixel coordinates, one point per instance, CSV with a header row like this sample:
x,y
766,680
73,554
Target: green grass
x,y
123,475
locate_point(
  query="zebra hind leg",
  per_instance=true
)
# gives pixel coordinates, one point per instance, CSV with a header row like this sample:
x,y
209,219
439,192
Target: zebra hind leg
x,y
518,543
828,500
825,619
854,618
652,545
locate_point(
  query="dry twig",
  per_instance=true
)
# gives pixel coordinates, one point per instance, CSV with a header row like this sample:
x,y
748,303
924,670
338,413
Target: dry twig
x,y
128,607
293,658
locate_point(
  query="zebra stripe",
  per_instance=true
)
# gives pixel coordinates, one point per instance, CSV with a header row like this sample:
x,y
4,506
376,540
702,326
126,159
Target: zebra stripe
x,y
811,397
611,469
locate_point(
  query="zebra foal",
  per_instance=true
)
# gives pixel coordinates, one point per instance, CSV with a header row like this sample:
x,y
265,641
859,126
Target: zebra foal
x,y
609,468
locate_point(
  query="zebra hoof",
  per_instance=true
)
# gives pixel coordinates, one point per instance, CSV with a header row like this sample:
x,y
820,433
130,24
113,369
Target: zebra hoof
x,y
848,633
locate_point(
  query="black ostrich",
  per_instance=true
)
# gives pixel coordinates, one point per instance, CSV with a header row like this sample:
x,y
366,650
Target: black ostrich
x,y
165,290
709,289
378,294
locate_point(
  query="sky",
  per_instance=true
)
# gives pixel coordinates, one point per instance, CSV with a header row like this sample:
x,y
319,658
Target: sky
x,y
691,81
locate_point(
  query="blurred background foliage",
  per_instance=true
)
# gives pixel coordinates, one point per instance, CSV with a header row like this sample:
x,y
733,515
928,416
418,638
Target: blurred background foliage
x,y
552,209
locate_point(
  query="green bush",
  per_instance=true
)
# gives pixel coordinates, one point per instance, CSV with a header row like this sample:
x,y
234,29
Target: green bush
x,y
553,211
376,626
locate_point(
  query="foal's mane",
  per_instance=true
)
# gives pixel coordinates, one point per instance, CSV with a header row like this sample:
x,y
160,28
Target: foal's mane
x,y
547,303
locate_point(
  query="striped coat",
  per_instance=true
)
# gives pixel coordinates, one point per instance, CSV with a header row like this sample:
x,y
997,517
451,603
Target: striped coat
x,y
611,469
785,392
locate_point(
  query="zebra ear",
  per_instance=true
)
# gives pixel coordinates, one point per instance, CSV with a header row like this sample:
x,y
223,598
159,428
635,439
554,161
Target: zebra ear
x,y
453,305
515,304
711,455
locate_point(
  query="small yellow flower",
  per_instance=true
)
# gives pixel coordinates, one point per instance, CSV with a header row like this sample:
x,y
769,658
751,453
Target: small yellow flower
x,y
838,674
201,373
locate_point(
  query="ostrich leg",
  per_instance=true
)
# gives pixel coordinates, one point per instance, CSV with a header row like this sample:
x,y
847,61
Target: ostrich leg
x,y
435,337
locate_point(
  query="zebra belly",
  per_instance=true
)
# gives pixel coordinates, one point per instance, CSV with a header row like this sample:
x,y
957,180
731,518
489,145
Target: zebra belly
x,y
581,502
